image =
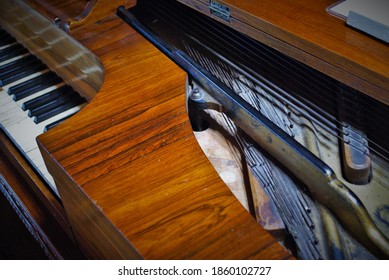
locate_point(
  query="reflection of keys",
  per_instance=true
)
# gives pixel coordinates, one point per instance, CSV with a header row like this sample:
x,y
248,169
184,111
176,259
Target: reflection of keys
x,y
32,100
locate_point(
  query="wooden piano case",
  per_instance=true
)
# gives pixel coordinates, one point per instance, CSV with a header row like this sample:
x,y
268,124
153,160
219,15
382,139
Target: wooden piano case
x,y
132,179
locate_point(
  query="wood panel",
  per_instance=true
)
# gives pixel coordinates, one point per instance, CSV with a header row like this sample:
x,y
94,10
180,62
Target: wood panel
x,y
305,31
134,182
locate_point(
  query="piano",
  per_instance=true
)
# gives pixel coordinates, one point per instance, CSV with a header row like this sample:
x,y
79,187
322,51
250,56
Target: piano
x,y
103,141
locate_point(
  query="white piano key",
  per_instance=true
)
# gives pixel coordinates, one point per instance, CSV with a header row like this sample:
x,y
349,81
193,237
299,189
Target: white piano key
x,y
40,165
13,59
7,102
35,154
25,133
9,45
12,118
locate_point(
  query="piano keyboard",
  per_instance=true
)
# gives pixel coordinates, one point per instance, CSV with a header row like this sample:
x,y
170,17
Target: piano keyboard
x,y
33,99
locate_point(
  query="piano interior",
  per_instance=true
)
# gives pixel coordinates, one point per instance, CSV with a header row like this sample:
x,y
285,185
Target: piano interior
x,y
300,150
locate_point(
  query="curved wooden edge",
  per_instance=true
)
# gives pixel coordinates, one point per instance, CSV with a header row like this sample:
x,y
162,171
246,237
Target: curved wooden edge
x,y
94,232
96,10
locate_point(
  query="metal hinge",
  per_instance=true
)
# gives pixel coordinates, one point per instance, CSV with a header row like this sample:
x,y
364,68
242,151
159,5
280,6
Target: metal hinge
x,y
219,10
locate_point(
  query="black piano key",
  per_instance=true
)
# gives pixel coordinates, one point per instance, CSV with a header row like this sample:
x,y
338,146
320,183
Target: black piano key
x,y
12,71
38,66
8,50
11,52
34,85
54,124
46,98
58,110
3,32
11,68
6,39
53,103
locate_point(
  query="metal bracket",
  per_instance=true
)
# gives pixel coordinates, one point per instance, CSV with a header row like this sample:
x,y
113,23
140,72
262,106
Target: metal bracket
x,y
219,10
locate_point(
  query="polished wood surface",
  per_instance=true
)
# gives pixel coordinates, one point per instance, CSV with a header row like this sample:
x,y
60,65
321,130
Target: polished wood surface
x,y
70,14
305,31
132,178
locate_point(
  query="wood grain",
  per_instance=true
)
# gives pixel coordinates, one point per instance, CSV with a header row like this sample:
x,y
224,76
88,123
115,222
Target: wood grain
x,y
73,13
305,31
133,180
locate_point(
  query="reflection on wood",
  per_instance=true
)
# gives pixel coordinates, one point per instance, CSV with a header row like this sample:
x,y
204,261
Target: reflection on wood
x,y
73,13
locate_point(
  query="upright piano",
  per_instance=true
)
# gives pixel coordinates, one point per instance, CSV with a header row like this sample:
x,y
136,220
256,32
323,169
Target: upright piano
x,y
194,129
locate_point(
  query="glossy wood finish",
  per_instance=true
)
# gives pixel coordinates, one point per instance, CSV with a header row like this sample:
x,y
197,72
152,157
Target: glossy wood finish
x,y
133,180
305,31
73,13
96,10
